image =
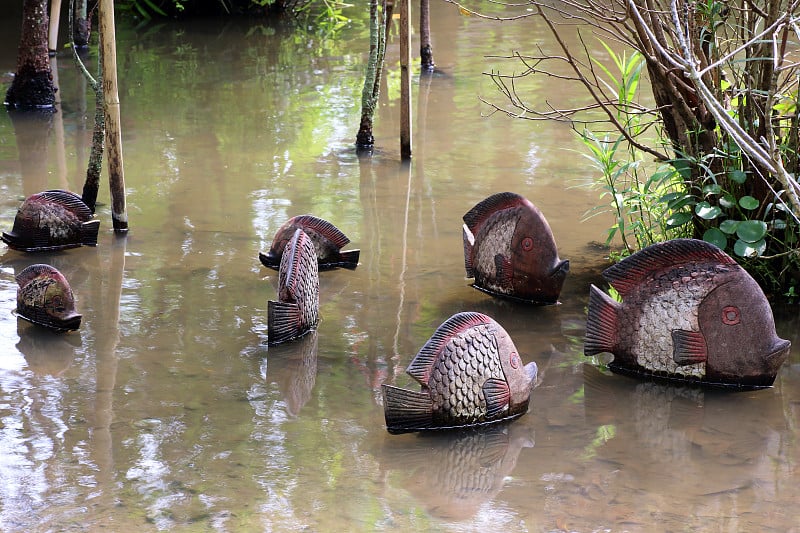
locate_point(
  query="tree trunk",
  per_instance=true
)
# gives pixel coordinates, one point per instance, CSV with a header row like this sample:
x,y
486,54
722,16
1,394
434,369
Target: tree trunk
x,y
425,49
33,86
82,27
379,24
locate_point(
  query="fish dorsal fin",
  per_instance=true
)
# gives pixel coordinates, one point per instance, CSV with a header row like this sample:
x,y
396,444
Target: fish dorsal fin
x,y
69,201
661,256
476,216
422,365
324,228
34,271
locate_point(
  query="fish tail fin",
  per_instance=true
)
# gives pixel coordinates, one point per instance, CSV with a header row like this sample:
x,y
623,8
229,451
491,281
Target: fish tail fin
x,y
406,410
283,321
349,259
469,243
601,324
89,231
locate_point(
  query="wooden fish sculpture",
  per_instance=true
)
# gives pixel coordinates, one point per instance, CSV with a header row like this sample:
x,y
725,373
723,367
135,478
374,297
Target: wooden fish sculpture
x,y
52,220
510,251
689,312
297,310
328,242
471,374
45,298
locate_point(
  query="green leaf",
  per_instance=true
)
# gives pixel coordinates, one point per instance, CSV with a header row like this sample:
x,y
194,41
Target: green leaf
x,y
678,219
751,230
748,202
712,188
715,237
779,224
748,249
727,201
707,211
729,226
737,175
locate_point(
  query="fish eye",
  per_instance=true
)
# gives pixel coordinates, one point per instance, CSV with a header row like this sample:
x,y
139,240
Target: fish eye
x,y
514,360
731,315
527,244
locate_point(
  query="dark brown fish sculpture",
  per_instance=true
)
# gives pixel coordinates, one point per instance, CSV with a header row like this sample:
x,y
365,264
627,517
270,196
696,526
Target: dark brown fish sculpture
x,y
689,312
328,243
44,297
52,220
471,374
510,251
297,310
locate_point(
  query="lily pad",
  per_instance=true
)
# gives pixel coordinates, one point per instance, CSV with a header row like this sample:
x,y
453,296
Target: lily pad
x,y
750,249
751,230
715,237
729,226
748,202
707,211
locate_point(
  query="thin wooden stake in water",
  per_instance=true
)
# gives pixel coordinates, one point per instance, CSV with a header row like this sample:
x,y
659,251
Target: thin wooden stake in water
x,y
55,15
116,175
405,80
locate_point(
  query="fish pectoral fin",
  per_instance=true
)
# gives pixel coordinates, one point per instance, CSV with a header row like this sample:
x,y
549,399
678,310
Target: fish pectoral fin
x,y
349,259
689,347
283,321
469,244
505,271
497,396
406,410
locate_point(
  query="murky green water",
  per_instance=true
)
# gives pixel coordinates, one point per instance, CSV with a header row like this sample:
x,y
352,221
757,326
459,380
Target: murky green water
x,y
167,411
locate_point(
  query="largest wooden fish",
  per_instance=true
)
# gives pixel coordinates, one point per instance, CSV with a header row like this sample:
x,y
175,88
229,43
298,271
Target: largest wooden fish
x,y
471,374
510,251
52,220
328,241
297,310
44,297
688,312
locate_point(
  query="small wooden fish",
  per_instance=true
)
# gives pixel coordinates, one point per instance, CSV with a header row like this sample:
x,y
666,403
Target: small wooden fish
x,y
45,298
52,220
328,242
471,374
689,312
510,251
297,310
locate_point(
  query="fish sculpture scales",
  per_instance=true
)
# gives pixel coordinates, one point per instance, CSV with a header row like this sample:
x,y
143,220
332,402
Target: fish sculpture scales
x,y
52,220
297,310
471,374
689,312
510,251
328,242
45,298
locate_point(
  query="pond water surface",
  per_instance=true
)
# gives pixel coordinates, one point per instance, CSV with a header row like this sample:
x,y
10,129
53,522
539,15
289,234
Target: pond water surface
x,y
167,410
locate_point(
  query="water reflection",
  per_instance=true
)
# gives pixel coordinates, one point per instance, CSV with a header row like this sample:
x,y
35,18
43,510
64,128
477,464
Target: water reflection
x,y
454,474
293,367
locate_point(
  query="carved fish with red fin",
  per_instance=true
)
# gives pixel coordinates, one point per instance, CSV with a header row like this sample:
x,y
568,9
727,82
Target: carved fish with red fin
x,y
510,251
45,298
52,220
471,374
328,243
689,312
297,310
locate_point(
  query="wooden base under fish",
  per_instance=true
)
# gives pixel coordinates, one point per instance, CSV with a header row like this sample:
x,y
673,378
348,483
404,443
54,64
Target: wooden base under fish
x,y
664,377
512,298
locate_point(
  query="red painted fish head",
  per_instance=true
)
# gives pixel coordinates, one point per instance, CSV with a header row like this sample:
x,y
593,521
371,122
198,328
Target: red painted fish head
x,y
539,273
520,378
737,323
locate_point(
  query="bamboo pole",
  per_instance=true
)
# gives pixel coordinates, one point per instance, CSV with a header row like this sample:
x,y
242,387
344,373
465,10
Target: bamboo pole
x,y
405,80
55,15
116,175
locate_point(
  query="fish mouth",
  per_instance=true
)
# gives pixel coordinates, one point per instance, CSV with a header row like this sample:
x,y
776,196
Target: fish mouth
x,y
270,260
779,352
